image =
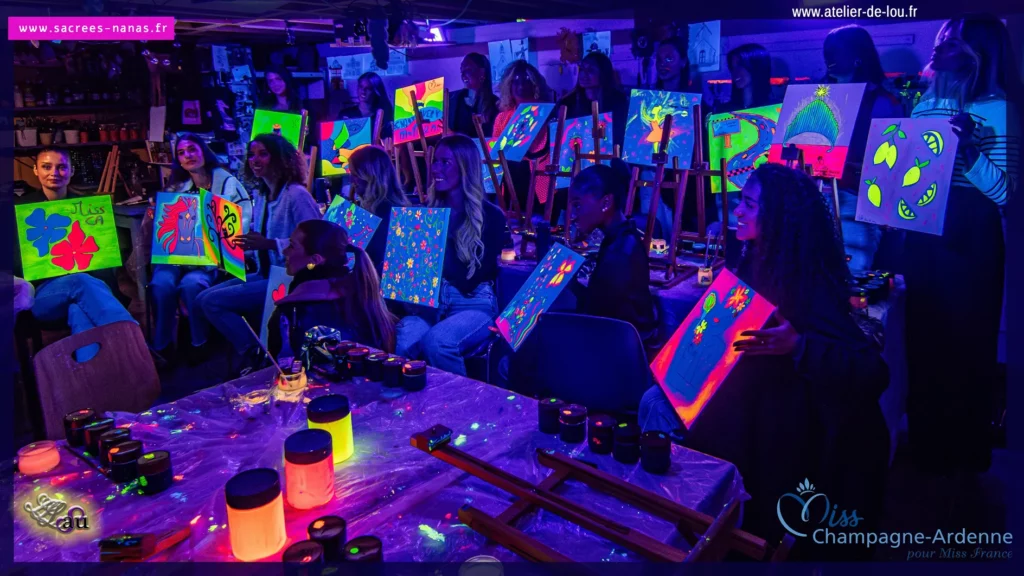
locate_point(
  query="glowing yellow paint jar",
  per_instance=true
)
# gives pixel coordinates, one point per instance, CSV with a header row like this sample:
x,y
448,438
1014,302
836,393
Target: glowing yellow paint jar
x,y
333,414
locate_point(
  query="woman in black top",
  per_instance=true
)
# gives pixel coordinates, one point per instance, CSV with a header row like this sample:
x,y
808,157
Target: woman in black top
x,y
280,93
476,98
476,227
370,97
376,189
750,68
596,81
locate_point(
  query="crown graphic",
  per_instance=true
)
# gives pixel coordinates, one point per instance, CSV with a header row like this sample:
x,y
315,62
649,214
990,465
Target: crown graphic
x,y
805,487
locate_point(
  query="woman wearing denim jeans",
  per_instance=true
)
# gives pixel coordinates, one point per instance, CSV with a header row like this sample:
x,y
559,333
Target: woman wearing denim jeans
x,y
468,304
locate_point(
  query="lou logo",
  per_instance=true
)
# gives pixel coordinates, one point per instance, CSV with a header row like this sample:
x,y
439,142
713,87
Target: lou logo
x,y
54,513
807,509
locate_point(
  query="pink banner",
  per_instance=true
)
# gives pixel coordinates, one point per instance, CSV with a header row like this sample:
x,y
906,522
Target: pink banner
x,y
90,28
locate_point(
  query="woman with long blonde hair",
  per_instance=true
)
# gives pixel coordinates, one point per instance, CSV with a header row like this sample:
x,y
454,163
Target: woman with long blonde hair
x,y
523,84
377,189
468,303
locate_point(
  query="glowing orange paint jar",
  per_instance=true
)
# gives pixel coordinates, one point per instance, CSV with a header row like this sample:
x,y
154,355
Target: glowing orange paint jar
x,y
255,514
333,414
38,457
308,469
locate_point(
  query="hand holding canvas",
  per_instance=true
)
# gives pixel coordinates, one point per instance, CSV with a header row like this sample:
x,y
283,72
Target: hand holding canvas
x,y
778,341
963,127
255,241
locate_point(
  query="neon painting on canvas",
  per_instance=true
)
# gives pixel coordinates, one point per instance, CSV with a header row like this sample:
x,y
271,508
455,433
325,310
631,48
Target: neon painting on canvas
x,y
698,357
338,140
522,129
646,120
743,139
287,124
498,170
537,295
578,132
414,256
819,120
62,237
222,221
278,285
197,230
359,223
430,96
905,179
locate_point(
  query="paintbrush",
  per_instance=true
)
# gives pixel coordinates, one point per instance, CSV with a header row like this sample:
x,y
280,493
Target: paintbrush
x,y
264,348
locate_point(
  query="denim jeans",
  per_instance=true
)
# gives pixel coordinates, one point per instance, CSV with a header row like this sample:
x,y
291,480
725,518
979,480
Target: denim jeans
x,y
170,283
83,302
224,306
444,336
859,238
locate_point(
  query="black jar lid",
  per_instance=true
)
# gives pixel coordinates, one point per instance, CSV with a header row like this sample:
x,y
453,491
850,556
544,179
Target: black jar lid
x,y
414,368
330,408
326,528
115,436
394,361
602,421
362,547
342,347
308,446
627,432
127,451
551,404
252,488
572,414
155,462
657,440
358,353
304,552
377,357
101,423
80,418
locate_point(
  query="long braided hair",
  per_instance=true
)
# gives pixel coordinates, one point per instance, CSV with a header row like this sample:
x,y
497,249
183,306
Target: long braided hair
x,y
469,237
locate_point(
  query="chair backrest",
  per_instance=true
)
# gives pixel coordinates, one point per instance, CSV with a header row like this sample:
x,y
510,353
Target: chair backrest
x,y
121,376
597,362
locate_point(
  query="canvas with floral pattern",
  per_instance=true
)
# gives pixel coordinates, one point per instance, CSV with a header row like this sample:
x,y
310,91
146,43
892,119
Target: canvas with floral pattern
x,y
430,96
338,140
818,119
577,131
62,237
288,124
545,283
698,357
359,223
522,129
645,123
414,256
742,139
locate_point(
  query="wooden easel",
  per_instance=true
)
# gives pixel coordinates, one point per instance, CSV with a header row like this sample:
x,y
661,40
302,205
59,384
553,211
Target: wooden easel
x,y
427,153
111,173
511,206
711,538
659,159
598,132
793,157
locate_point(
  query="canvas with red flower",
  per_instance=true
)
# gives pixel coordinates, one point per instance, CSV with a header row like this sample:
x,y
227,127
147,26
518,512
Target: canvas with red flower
x,y
68,236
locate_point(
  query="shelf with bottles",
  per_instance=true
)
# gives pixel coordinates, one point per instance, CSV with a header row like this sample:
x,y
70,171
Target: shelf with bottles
x,y
31,97
35,133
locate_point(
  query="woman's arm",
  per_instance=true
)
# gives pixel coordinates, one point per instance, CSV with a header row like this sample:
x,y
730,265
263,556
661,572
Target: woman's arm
x,y
992,151
301,207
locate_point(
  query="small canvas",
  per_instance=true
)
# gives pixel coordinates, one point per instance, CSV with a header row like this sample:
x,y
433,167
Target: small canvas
x,y
277,288
287,124
698,357
743,139
905,179
647,112
414,257
579,131
500,56
818,119
222,222
62,237
338,140
430,96
705,46
489,187
522,129
359,223
545,283
178,230
597,42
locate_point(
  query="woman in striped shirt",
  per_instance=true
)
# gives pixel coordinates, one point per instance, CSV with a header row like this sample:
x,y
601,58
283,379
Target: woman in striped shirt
x,y
952,355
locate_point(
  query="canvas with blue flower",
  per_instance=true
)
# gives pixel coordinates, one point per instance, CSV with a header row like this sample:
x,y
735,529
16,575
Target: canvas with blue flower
x,y
67,236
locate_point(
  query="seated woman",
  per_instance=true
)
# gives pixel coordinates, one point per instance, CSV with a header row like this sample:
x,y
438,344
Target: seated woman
x,y
281,205
475,235
195,167
371,96
802,402
325,292
477,98
523,84
377,190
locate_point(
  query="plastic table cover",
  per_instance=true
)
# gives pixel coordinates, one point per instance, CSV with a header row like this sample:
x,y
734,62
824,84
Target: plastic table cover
x,y
407,498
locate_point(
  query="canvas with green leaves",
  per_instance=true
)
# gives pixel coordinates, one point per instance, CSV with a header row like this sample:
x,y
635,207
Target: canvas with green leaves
x,y
62,237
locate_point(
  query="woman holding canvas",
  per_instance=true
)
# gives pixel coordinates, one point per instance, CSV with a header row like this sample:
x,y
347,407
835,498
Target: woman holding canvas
x,y
377,190
524,84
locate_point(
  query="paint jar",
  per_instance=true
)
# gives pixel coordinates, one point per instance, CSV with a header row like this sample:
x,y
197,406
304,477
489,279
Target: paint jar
x,y
124,461
330,532
255,514
109,439
374,366
626,448
392,371
308,469
414,375
38,457
655,452
155,473
293,378
705,276
508,255
601,434
74,424
303,552
333,414
364,549
572,421
93,431
356,358
858,298
547,414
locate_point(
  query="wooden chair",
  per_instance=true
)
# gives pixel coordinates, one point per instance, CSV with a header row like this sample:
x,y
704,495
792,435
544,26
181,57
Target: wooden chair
x,y
120,377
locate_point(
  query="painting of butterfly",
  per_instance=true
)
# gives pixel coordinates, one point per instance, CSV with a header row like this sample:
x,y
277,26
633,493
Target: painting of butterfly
x,y
498,170
359,223
414,256
522,129
646,120
818,119
430,97
545,283
743,139
577,132
277,288
905,179
62,237
338,140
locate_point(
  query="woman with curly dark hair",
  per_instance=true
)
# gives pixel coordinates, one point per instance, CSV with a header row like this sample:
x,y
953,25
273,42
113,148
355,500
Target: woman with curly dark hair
x,y
802,402
282,203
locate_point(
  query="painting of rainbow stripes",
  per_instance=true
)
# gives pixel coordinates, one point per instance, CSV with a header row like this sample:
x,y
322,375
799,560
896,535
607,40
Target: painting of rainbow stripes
x,y
430,96
545,283
338,140
522,129
819,120
414,256
699,356
222,221
359,223
577,132
645,123
742,139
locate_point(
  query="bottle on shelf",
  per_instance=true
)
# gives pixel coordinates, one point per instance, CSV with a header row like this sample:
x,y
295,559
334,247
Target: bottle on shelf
x,y
67,99
19,100
29,96
51,97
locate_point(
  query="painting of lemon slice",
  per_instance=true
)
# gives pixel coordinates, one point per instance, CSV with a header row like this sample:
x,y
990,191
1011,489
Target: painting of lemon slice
x,y
904,211
929,195
913,175
934,141
874,193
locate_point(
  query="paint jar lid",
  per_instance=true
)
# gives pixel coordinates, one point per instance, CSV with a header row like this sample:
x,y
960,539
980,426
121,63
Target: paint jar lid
x,y
377,357
252,488
118,434
127,451
79,418
363,548
602,421
358,353
551,404
627,432
414,368
308,446
101,423
330,408
304,552
342,347
858,291
572,414
155,462
327,527
657,440
394,361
